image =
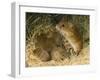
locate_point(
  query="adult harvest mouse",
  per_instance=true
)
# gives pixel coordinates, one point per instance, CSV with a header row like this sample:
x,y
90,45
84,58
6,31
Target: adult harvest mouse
x,y
71,33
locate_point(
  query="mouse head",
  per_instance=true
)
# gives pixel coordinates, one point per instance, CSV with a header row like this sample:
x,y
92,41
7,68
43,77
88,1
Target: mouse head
x,y
64,25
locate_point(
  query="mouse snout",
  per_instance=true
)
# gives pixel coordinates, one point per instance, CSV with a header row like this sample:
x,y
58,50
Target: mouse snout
x,y
57,27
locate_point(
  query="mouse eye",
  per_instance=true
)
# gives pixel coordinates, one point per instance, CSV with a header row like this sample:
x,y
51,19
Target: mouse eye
x,y
63,25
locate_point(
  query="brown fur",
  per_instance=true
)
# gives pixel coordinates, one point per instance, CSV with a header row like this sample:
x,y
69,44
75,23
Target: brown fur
x,y
48,42
58,54
41,54
71,33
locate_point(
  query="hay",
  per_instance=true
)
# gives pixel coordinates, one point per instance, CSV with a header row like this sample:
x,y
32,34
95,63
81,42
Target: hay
x,y
33,61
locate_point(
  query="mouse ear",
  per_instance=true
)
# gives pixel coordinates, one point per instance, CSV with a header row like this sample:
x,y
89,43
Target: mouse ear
x,y
58,18
64,19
